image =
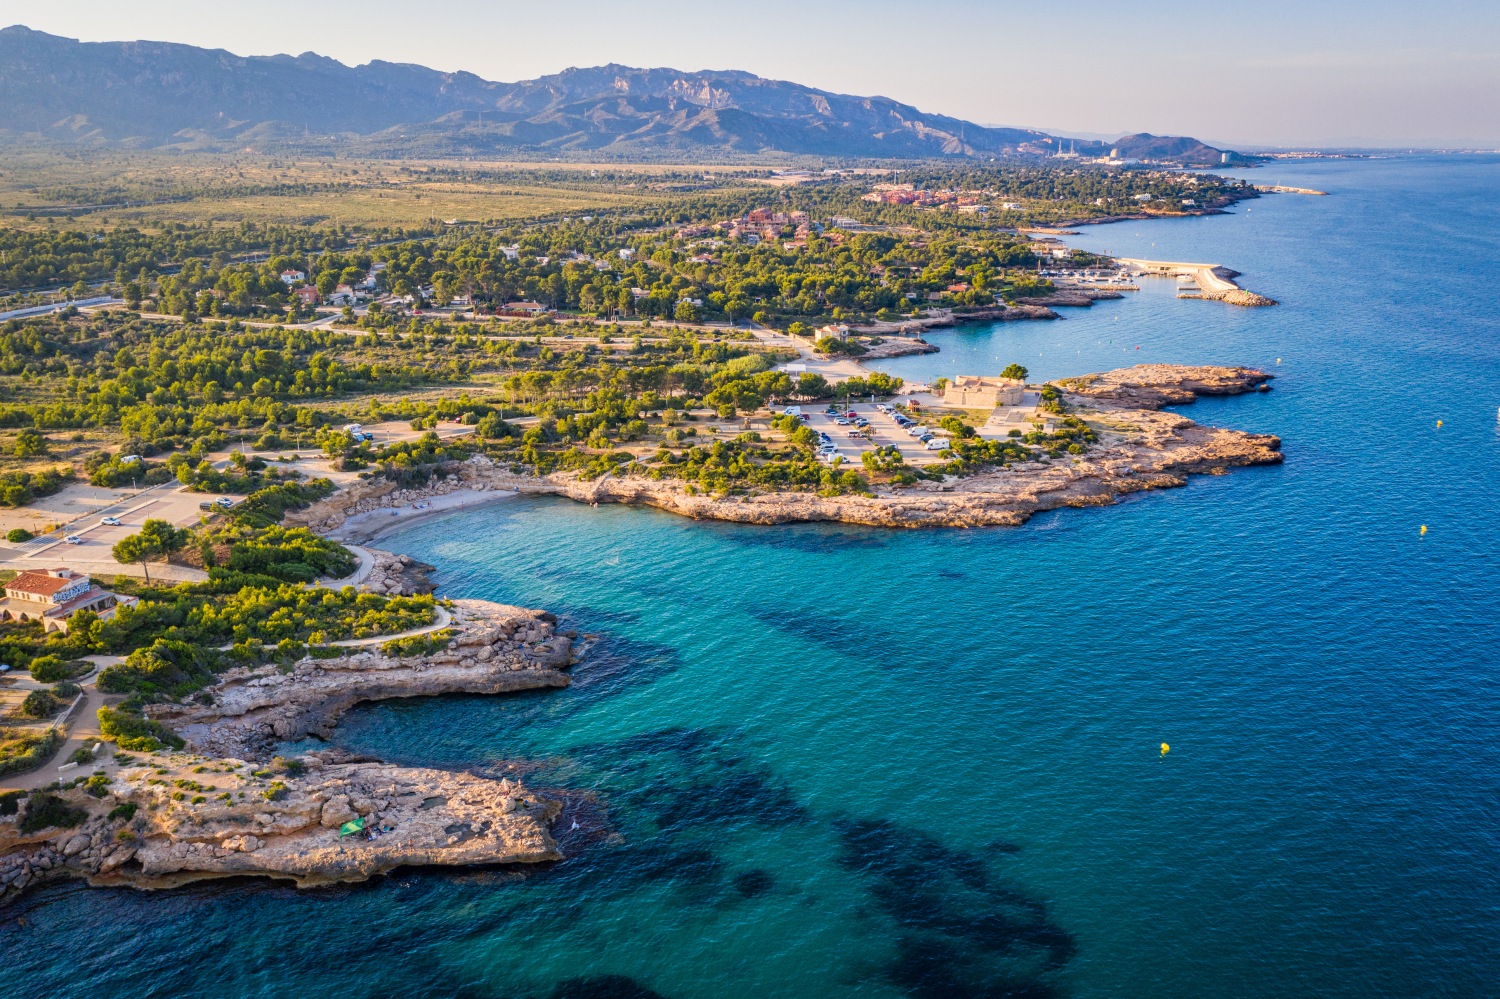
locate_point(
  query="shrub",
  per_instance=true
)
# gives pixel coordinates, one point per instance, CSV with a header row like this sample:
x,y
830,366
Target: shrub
x,y
46,811
96,786
16,535
39,704
24,750
135,733
418,645
165,667
49,669
82,754
288,765
10,802
124,812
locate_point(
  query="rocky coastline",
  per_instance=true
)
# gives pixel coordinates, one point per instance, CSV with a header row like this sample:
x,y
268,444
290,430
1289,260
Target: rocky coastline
x,y
224,806
1140,448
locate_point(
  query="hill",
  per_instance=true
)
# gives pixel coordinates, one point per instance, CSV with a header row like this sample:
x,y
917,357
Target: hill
x,y
158,94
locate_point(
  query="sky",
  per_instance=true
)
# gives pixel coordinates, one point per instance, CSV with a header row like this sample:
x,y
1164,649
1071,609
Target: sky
x,y
1322,73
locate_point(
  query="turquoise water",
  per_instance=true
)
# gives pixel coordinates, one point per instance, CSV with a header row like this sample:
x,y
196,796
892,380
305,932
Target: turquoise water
x,y
831,761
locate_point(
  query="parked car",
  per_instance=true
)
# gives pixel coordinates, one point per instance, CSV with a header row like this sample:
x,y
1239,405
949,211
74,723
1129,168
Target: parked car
x,y
938,443
109,521
841,421
73,539
861,422
225,502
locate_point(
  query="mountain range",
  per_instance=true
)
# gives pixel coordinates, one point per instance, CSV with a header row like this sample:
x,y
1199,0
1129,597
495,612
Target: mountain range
x,y
158,94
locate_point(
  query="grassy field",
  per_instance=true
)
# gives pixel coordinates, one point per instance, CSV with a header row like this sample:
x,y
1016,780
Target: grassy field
x,y
148,190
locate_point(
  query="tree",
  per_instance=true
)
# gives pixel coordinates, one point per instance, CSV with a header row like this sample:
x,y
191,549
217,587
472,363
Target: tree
x,y
129,550
157,539
1014,371
30,443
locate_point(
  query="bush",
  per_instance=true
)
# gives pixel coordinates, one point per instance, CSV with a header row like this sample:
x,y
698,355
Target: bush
x,y
164,668
16,535
20,488
96,786
54,669
124,812
135,733
10,802
82,754
40,704
25,750
48,811
418,645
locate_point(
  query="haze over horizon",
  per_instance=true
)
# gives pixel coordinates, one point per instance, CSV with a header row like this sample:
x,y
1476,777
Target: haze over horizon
x,y
1333,74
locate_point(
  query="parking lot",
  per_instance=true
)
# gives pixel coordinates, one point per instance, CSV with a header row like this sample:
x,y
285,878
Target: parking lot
x,y
883,431
169,502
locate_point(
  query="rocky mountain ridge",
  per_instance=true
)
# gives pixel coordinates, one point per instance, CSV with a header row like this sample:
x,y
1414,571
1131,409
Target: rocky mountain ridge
x,y
155,94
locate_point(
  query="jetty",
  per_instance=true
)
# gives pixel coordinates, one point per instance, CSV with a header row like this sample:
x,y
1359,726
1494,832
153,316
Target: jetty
x,y
1282,189
1215,281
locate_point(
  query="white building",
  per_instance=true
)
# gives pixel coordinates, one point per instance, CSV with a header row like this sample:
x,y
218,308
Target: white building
x,y
52,596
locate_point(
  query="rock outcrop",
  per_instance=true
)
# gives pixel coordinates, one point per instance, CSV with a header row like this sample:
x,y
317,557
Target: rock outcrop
x,y
168,819
1140,448
494,649
1152,386
395,575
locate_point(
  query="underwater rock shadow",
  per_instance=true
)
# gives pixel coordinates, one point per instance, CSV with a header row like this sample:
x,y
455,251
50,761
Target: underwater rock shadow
x,y
960,930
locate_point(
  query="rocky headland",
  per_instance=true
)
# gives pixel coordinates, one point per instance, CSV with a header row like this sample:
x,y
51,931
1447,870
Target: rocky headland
x,y
1140,448
225,806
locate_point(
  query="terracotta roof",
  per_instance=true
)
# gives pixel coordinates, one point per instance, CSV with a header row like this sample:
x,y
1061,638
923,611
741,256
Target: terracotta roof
x,y
42,583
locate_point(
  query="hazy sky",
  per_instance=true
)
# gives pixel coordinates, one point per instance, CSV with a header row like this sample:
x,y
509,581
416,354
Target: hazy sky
x,y
1313,72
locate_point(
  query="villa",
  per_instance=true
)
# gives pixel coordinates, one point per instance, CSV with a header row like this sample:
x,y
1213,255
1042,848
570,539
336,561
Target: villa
x,y
53,596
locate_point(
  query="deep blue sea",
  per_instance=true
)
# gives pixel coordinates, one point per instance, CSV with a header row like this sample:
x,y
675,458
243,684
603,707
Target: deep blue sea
x,y
833,762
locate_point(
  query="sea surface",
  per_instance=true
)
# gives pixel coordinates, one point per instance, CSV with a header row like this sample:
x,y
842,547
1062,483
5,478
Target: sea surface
x,y
834,762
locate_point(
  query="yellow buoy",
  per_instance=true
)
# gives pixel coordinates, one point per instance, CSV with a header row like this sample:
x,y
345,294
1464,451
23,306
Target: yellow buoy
x,y
1424,528
1440,423
1165,749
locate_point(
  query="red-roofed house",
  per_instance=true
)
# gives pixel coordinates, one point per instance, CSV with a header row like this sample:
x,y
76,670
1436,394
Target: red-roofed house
x,y
52,596
308,294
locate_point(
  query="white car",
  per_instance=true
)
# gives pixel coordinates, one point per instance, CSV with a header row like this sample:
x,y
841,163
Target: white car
x,y
72,539
225,502
109,522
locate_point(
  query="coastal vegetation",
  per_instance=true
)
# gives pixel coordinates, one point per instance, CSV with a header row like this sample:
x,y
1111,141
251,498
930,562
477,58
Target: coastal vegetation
x,y
24,748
